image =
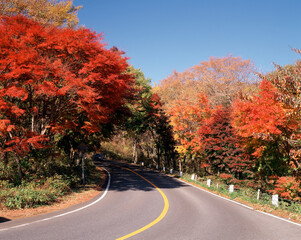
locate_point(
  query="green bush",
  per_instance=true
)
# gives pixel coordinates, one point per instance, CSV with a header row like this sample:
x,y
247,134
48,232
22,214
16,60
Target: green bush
x,y
33,194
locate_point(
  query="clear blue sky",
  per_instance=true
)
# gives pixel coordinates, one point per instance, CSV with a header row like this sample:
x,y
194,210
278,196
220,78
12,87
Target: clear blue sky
x,y
160,36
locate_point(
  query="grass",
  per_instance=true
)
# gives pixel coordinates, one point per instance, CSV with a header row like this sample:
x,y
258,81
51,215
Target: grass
x,y
248,196
33,194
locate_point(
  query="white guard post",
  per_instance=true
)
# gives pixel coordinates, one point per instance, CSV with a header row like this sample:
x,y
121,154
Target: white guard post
x,y
275,200
192,176
208,182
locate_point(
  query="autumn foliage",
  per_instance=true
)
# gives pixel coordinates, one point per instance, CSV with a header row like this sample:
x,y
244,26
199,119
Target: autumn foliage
x,y
288,187
53,80
227,125
56,12
220,78
62,86
260,116
222,146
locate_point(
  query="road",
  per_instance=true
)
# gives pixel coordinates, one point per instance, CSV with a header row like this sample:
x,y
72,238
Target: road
x,y
132,203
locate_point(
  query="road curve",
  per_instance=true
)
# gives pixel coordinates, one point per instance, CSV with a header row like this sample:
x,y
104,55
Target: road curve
x,y
133,203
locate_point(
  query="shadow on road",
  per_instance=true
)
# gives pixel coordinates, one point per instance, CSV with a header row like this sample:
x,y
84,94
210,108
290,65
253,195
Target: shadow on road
x,y
3,219
124,180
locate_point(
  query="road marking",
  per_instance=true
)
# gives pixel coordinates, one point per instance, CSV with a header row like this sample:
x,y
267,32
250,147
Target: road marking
x,y
66,213
158,219
241,204
280,218
238,203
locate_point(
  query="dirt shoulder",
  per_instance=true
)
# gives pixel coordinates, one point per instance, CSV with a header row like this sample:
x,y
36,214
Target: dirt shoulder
x,y
64,202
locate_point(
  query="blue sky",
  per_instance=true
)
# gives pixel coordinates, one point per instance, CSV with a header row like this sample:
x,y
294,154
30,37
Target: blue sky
x,y
160,36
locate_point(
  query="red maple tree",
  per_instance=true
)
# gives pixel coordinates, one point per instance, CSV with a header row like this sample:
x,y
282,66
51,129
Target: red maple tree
x,y
53,79
222,148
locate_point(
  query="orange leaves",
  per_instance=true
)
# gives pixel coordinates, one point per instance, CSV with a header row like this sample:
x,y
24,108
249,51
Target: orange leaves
x,y
5,126
47,88
288,187
14,92
267,128
186,118
260,116
54,79
24,145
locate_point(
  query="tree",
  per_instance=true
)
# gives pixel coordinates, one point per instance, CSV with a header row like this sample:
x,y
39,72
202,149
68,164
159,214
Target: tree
x,y
138,121
223,151
220,79
162,134
287,81
262,121
54,80
56,12
186,119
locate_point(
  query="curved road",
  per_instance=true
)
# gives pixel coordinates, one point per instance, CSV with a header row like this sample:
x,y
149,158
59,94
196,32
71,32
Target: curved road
x,y
132,203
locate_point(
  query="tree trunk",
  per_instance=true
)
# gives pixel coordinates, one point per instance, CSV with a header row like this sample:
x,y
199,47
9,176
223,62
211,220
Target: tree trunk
x,y
17,160
135,154
158,156
167,159
174,160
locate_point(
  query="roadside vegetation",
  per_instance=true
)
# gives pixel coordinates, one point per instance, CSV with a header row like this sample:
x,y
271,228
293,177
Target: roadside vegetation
x,y
287,208
238,125
63,93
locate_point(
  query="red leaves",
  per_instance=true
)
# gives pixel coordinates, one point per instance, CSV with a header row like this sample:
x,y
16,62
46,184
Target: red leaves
x,y
260,116
14,92
5,126
22,145
53,79
288,187
222,147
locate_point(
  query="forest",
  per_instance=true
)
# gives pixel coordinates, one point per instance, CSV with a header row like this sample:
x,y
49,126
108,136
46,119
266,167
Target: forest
x,y
61,87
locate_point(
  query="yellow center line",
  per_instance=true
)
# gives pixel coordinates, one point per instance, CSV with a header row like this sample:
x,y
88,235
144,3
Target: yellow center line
x,y
158,219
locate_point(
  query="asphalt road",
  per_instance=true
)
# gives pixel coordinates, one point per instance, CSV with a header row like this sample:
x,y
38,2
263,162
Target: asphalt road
x,y
132,203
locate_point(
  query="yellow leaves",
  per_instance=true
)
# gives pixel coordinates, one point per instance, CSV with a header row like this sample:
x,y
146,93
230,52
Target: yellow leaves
x,y
58,13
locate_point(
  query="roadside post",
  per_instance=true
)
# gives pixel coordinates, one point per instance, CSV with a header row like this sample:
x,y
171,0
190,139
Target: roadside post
x,y
258,194
208,182
192,177
275,200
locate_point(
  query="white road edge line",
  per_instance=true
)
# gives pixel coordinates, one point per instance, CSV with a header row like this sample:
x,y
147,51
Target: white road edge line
x,y
66,213
241,204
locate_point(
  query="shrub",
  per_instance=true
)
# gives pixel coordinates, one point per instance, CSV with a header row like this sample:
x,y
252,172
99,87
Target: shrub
x,y
33,194
227,178
288,188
